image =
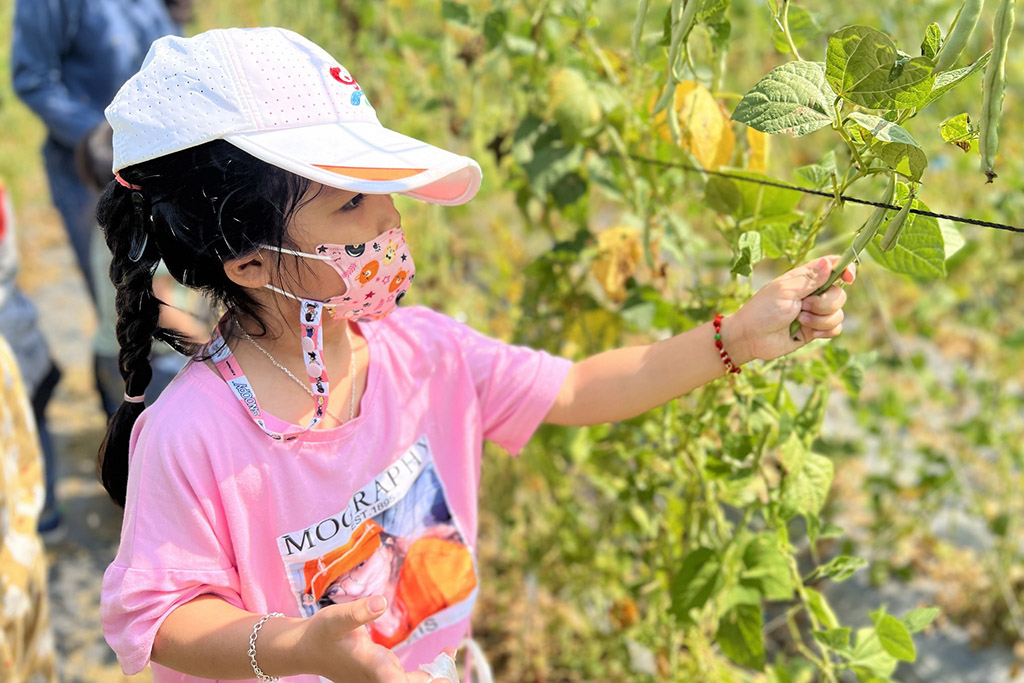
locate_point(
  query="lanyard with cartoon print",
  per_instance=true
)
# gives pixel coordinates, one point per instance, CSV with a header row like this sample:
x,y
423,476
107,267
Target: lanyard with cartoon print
x,y
310,313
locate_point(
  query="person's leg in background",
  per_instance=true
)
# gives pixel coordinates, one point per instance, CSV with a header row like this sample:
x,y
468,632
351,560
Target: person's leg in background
x,y
104,343
76,204
50,516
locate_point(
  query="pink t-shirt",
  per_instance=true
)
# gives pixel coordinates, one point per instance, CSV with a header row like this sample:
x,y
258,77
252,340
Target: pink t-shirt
x,y
385,504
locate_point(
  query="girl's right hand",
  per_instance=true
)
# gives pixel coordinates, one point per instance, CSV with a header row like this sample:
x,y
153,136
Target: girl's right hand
x,y
339,647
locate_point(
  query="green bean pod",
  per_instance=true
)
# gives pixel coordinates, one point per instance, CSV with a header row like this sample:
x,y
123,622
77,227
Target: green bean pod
x,y
895,227
959,34
995,84
864,235
638,25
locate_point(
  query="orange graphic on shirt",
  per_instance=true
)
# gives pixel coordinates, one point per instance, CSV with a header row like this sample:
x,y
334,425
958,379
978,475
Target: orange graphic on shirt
x,y
419,577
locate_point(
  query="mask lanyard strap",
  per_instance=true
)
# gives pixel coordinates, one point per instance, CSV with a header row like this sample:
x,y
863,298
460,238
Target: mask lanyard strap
x,y
312,345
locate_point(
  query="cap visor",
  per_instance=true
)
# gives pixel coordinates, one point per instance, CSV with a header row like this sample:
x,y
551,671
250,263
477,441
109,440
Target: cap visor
x,y
366,157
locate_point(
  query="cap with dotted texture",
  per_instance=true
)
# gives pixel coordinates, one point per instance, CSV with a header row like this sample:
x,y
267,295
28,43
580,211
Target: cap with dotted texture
x,y
284,100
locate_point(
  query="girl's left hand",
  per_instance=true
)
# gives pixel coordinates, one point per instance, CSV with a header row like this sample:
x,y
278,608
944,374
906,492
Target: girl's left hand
x,y
760,329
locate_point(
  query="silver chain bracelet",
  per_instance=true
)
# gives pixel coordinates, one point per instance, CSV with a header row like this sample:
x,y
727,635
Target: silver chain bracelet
x,y
260,676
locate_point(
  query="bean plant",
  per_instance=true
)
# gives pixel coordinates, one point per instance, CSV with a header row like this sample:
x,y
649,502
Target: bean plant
x,y
697,530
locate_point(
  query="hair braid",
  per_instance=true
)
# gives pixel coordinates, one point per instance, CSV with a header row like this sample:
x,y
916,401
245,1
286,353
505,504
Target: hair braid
x,y
138,313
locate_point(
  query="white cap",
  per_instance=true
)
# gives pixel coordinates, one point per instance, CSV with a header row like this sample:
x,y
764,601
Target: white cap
x,y
284,100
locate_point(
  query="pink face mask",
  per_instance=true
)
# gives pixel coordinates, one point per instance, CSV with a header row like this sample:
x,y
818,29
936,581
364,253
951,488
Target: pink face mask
x,y
376,274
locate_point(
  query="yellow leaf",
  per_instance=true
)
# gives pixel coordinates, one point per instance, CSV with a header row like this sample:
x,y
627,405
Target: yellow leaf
x,y
660,120
759,145
707,133
618,253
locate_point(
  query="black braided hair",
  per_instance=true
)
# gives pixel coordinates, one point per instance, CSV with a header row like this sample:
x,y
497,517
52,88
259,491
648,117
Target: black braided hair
x,y
197,209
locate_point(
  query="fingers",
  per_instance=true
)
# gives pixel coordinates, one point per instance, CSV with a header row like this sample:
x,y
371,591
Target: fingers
x,y
820,323
825,304
351,615
804,280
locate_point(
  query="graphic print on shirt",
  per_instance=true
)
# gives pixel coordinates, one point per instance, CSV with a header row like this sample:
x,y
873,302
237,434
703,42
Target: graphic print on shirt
x,y
396,537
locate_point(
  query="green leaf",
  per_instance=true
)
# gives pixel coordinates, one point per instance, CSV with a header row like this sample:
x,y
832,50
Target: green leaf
x,y
767,568
455,11
883,130
959,131
952,240
759,201
793,99
839,568
568,189
723,195
820,608
837,639
947,80
907,160
793,454
869,658
495,26
711,9
852,377
547,160
920,251
776,232
748,253
863,67
803,28
895,638
917,620
819,175
806,491
740,595
895,146
932,41
699,577
739,636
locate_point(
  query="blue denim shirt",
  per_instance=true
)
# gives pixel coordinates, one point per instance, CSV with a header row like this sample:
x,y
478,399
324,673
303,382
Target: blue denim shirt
x,y
70,57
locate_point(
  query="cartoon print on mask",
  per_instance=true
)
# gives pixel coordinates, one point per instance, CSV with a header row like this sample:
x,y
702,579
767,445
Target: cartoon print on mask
x,y
384,261
397,282
310,312
368,272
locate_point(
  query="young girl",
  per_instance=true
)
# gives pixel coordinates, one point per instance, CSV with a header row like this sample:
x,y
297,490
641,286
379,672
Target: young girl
x,y
325,446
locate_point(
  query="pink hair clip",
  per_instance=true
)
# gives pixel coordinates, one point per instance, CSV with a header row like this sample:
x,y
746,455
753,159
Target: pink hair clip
x,y
121,181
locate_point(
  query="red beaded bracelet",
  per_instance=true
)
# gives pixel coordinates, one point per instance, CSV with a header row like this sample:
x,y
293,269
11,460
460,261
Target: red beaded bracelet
x,y
729,365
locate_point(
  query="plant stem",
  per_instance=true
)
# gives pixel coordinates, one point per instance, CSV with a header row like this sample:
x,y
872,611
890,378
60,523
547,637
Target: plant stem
x,y
819,223
785,30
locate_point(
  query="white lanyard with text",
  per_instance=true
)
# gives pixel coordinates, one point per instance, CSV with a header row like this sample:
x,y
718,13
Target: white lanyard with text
x,y
310,313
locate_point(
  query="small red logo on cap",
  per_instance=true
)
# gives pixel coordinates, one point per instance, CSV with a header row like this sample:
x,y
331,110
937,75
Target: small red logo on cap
x,y
346,79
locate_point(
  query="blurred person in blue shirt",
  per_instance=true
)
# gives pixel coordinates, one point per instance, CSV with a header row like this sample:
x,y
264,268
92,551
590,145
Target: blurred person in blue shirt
x,y
69,58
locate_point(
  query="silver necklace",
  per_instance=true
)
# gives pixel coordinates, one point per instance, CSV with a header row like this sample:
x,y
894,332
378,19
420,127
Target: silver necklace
x,y
351,368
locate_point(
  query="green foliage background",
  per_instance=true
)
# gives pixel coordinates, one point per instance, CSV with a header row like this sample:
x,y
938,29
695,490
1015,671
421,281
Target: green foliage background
x,y
697,542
